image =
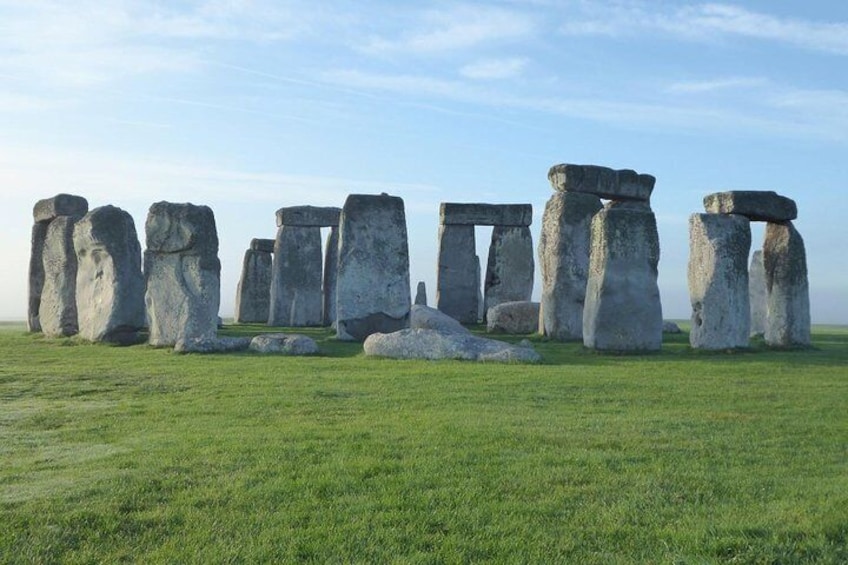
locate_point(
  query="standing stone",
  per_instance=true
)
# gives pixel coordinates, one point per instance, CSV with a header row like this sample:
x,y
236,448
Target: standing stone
x,y
719,245
564,258
509,273
331,268
787,288
110,286
457,285
623,310
182,272
478,284
296,296
373,292
757,294
253,293
421,294
58,310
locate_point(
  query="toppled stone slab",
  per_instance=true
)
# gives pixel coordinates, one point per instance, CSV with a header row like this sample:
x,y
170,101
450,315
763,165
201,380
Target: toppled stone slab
x,y
284,344
253,292
58,309
263,245
670,327
296,293
624,184
757,294
432,345
421,294
60,205
425,318
309,216
451,213
520,317
510,268
212,345
110,285
457,279
787,287
756,205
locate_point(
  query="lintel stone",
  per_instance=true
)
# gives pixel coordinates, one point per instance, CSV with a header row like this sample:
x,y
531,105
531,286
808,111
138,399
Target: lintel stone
x,y
309,216
610,184
756,205
60,205
451,213
263,245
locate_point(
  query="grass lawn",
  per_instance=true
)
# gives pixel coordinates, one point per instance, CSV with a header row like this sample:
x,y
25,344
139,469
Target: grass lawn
x,y
137,454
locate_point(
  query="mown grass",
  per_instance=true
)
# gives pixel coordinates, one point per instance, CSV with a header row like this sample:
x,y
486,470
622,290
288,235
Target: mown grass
x,y
137,454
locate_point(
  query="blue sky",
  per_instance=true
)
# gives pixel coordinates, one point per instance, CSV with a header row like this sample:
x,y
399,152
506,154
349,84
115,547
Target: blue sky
x,y
248,106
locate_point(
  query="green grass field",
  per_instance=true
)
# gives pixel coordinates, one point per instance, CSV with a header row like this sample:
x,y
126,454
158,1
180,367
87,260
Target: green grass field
x,y
137,454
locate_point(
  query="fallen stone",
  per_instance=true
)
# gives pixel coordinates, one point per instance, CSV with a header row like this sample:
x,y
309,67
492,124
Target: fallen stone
x,y
787,287
297,298
425,318
432,345
57,311
263,245
284,344
757,294
212,345
603,182
421,294
509,271
308,216
451,213
670,327
513,318
457,282
253,292
756,205
49,209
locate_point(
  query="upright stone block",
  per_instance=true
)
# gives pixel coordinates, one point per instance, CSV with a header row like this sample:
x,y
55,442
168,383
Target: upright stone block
x,y
509,272
457,285
787,288
719,245
564,259
182,272
757,294
373,292
421,294
623,310
296,295
110,285
58,309
253,293
331,269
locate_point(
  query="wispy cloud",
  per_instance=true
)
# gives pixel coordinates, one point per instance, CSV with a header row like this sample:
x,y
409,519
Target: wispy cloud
x,y
714,85
488,69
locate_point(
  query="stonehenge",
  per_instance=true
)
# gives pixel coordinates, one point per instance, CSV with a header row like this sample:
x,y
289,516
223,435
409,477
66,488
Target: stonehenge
x,y
253,292
787,288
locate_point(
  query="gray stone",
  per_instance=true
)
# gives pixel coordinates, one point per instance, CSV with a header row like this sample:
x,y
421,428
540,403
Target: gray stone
x,y
36,275
263,245
110,285
564,258
58,309
49,209
331,269
756,205
433,345
451,213
457,283
670,327
421,294
296,295
212,345
623,310
509,273
624,184
757,294
309,216
182,272
718,281
253,293
478,284
373,292
284,344
513,318
425,318
787,288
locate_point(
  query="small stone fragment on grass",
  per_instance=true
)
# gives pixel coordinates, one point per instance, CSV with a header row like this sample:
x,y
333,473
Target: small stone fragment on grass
x,y
212,345
284,344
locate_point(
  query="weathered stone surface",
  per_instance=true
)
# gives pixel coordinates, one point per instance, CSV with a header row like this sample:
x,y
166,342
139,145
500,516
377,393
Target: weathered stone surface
x,y
58,309
373,292
670,327
212,345
425,318
564,262
432,344
253,293
309,216
284,344
623,310
757,294
478,284
451,213
296,293
110,286
331,269
513,318
457,283
718,280
624,184
36,275
49,209
263,245
509,273
182,272
421,294
756,205
787,288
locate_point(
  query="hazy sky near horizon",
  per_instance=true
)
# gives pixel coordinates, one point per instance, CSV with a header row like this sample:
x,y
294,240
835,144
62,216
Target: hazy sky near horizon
x,y
251,105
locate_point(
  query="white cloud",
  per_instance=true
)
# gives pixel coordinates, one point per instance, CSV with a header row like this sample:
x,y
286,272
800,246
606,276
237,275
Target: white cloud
x,y
721,84
487,69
